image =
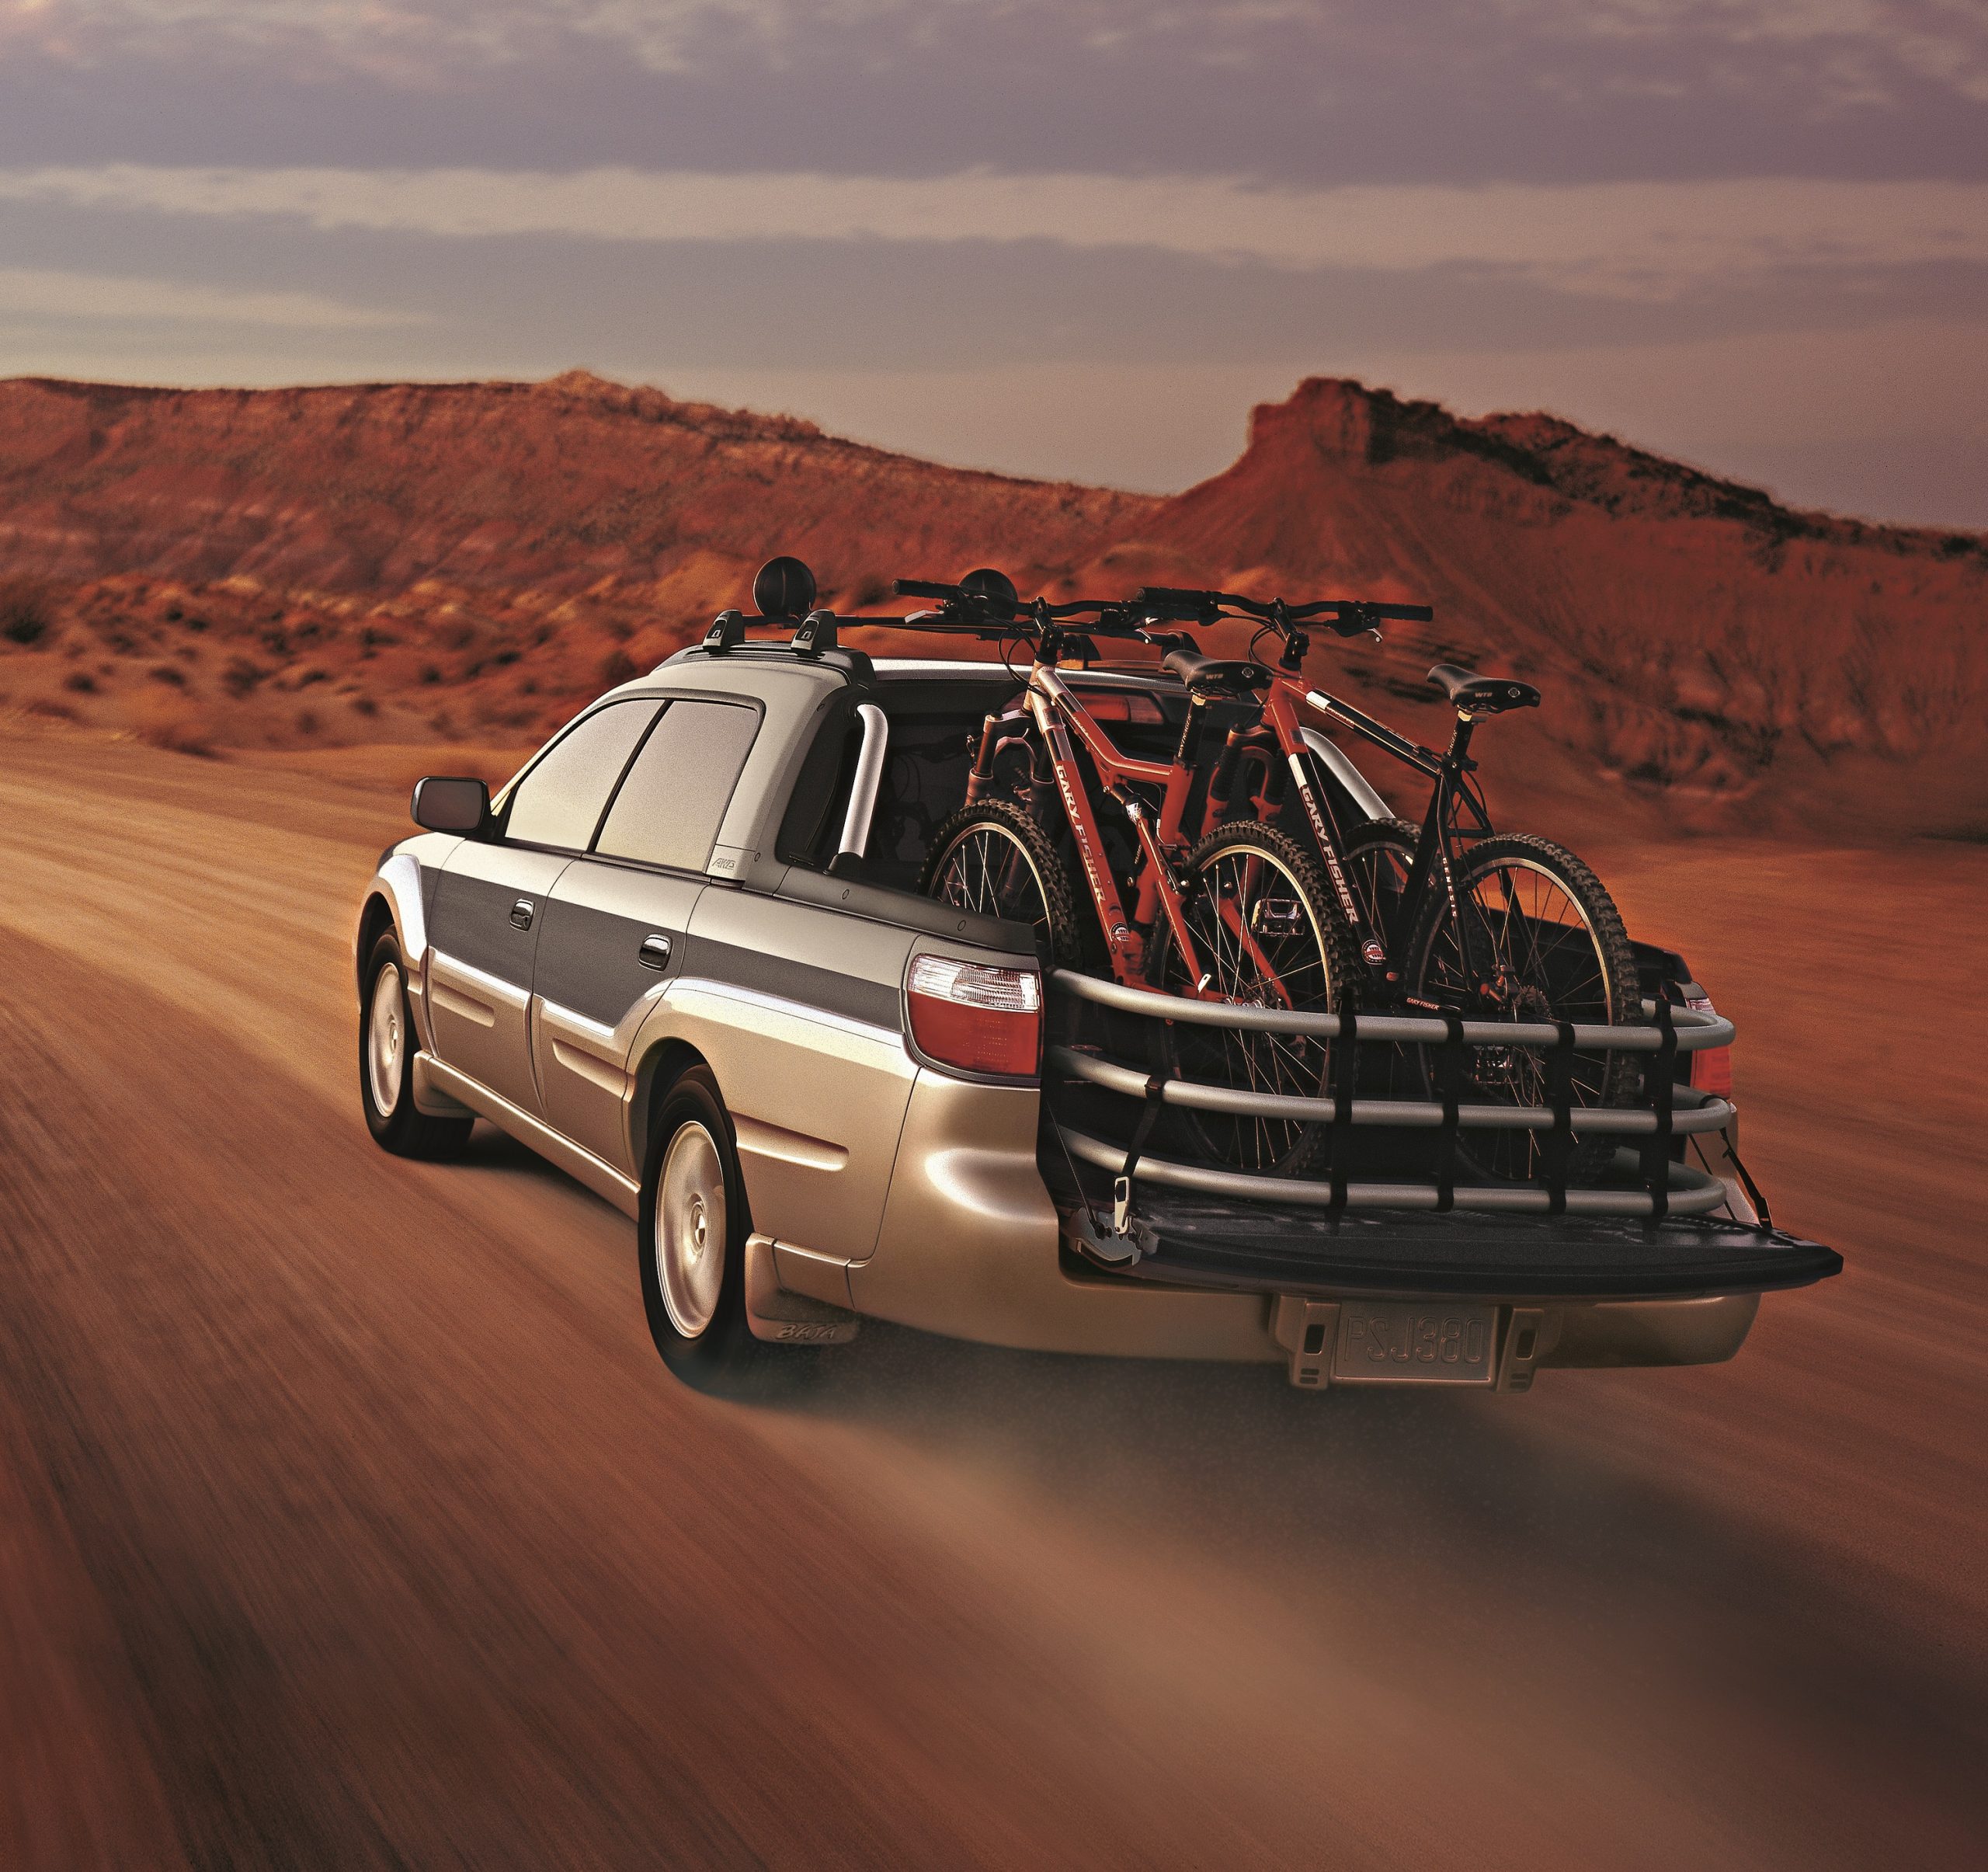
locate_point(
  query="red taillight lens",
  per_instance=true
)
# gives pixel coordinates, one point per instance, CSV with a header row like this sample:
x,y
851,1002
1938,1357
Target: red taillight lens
x,y
1711,1070
979,1018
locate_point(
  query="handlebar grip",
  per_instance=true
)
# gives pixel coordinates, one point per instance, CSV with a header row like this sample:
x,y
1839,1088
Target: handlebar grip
x,y
1406,614
925,588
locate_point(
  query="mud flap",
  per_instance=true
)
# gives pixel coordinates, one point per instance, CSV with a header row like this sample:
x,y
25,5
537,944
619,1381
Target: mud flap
x,y
790,1319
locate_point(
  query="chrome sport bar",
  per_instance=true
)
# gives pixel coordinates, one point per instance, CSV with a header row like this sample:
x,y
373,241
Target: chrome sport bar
x,y
1695,1030
1712,1115
1691,1191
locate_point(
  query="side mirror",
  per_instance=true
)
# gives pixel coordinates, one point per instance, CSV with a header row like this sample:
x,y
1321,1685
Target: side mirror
x,y
441,805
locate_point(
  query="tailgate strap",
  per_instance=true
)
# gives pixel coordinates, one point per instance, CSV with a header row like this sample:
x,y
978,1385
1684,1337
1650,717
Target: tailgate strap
x,y
1449,1082
1662,1090
1156,1098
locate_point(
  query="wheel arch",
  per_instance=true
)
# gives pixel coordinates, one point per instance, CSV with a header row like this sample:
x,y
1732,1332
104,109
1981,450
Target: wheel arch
x,y
660,1068
375,920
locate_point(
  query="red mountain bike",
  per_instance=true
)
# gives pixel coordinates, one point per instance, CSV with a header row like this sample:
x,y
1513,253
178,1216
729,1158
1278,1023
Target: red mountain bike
x,y
1231,877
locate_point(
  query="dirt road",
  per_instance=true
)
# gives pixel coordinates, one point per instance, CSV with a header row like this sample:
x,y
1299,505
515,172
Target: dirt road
x,y
347,1517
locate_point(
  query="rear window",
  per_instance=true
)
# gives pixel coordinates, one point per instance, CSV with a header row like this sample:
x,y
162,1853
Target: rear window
x,y
559,802
668,809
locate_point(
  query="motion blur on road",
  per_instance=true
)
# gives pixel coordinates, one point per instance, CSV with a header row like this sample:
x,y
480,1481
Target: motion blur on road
x,y
347,1518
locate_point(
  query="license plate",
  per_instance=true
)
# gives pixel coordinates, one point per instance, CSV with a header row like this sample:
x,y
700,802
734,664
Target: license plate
x,y
1398,1342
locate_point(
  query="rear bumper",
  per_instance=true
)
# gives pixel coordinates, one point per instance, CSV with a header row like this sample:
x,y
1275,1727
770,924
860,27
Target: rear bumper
x,y
973,1246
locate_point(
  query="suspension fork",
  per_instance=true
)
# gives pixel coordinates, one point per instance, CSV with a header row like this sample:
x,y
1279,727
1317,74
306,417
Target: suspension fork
x,y
995,743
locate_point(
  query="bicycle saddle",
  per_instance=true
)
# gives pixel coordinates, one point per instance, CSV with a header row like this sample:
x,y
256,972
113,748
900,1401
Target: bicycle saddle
x,y
1199,672
1482,694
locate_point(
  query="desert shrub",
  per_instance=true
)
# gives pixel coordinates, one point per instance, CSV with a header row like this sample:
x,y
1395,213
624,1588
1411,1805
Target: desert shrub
x,y
47,705
307,722
504,658
165,672
365,706
431,673
616,667
81,682
25,615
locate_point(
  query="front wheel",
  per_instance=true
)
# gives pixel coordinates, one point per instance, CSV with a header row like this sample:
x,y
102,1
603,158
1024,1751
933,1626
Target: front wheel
x,y
1266,934
993,859
1543,940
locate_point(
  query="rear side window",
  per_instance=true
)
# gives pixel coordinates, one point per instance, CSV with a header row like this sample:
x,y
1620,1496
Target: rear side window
x,y
559,802
668,809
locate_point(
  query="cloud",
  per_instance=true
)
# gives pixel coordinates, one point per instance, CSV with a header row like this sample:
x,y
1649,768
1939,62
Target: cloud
x,y
1855,48
46,293
1648,240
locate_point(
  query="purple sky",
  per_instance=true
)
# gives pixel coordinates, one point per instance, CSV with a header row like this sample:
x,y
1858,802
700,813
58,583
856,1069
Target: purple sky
x,y
1073,237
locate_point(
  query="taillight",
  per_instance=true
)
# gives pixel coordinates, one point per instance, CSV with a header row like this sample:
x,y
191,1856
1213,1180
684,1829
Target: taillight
x,y
1711,1070
979,1018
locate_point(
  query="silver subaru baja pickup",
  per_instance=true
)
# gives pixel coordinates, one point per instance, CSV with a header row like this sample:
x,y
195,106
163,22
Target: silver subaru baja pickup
x,y
682,956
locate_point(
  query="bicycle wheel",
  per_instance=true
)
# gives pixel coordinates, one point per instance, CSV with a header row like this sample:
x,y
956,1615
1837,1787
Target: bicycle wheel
x,y
1261,917
1549,945
1377,857
991,858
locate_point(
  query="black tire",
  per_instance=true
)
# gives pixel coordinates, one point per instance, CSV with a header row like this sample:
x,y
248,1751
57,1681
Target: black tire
x,y
720,1354
991,858
386,1078
1551,967
1376,856
1314,954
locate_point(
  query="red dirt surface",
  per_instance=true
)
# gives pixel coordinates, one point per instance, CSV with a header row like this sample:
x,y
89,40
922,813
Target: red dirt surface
x,y
402,563
348,1519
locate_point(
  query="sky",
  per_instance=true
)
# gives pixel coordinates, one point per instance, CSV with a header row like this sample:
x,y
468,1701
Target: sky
x,y
1070,238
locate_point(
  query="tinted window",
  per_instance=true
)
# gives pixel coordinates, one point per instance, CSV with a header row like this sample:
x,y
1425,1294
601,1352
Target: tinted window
x,y
668,810
558,802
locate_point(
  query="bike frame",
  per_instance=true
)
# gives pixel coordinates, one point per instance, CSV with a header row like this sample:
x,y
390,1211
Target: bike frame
x,y
1061,720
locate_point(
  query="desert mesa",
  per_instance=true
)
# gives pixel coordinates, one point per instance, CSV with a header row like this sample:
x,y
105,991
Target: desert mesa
x,y
411,563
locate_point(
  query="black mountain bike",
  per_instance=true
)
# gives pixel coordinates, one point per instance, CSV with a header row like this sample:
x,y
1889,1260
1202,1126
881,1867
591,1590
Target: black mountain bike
x,y
1450,914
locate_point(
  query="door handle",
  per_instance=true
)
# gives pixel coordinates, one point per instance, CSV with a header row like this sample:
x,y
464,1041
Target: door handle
x,y
521,913
655,952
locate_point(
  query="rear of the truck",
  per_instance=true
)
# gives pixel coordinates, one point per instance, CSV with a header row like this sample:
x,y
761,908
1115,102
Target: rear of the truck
x,y
1029,1181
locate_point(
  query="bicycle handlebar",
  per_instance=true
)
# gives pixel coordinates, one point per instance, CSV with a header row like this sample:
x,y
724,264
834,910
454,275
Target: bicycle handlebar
x,y
1349,617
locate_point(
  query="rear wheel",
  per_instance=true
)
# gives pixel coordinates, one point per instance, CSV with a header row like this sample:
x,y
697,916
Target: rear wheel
x,y
386,1046
692,1230
993,859
1261,918
1377,857
1546,943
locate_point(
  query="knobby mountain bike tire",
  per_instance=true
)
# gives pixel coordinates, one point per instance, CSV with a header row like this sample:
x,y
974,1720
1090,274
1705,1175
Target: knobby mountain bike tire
x,y
1257,907
991,858
1550,946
